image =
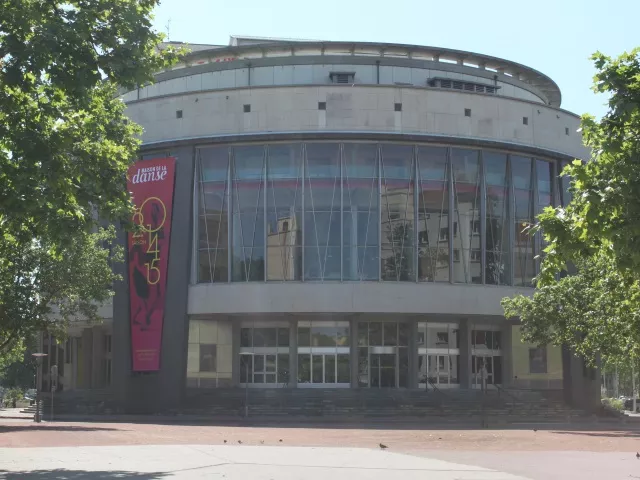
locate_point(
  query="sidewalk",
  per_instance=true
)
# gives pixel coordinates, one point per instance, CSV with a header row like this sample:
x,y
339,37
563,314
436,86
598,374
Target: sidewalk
x,y
15,413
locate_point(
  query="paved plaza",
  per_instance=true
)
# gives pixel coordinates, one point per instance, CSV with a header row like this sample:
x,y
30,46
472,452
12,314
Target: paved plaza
x,y
70,451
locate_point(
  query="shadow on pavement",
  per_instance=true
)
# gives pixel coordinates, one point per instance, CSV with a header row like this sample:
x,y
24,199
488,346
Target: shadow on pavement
x,y
607,434
52,428
63,474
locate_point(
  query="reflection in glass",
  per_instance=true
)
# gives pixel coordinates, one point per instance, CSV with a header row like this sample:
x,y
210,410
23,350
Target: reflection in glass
x,y
498,254
522,173
284,212
304,368
397,213
213,216
322,212
544,174
248,214
360,212
466,215
433,214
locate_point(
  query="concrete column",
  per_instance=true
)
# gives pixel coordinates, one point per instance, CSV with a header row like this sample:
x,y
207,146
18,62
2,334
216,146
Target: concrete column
x,y
87,357
235,349
465,353
413,354
507,355
293,353
353,332
97,355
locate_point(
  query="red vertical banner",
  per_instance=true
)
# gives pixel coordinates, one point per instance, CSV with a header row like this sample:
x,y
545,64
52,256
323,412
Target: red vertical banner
x,y
151,185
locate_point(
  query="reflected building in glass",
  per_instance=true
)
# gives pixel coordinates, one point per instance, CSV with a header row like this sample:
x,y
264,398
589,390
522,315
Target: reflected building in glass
x,y
349,216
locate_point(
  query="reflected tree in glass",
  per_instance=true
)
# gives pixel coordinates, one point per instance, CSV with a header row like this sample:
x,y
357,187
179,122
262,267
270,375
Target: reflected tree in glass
x,y
523,188
498,262
397,213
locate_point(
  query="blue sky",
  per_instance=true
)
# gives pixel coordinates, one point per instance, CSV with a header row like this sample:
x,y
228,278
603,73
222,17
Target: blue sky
x,y
553,36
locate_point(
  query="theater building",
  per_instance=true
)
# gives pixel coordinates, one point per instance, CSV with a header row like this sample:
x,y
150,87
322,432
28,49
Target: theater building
x,y
344,216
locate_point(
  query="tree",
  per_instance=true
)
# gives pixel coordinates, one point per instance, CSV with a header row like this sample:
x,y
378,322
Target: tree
x,y
596,309
65,146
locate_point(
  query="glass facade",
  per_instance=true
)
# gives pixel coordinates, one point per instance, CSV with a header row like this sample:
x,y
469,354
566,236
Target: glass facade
x,y
368,211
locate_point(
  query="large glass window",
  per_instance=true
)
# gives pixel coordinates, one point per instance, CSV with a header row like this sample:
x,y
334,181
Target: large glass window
x,y
438,355
248,214
322,212
360,222
323,354
284,212
359,211
213,215
544,174
523,188
433,214
467,264
397,213
498,254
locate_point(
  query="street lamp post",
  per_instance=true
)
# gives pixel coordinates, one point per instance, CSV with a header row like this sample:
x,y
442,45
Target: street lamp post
x,y
38,356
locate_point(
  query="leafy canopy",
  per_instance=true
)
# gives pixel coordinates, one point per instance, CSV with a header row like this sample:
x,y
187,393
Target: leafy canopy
x,y
595,310
65,145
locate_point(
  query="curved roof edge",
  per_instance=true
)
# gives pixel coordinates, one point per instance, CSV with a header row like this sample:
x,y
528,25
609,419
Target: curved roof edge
x,y
259,48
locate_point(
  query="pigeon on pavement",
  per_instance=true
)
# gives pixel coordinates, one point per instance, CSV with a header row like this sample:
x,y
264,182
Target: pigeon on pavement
x,y
383,446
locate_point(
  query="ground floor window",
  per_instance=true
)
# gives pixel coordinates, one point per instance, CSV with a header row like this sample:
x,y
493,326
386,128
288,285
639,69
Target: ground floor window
x,y
383,354
264,368
438,355
328,368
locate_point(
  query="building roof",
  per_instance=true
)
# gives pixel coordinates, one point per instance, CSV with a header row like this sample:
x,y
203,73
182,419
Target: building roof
x,y
245,47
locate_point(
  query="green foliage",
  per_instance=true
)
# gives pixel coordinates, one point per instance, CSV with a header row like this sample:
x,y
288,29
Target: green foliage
x,y
13,396
614,404
65,146
595,310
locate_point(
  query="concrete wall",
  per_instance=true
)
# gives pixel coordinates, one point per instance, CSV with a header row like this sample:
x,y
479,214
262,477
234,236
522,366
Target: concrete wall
x,y
318,74
358,109
365,297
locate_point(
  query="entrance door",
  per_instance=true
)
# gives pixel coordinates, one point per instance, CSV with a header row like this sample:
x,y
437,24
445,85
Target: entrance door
x,y
383,370
438,369
477,362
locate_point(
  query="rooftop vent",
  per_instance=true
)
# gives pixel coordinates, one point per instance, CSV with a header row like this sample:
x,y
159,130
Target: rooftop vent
x,y
439,82
342,77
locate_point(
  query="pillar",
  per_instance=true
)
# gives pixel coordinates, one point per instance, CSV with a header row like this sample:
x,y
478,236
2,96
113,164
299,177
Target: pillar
x,y
507,355
87,357
413,354
293,353
97,355
465,353
353,331
235,352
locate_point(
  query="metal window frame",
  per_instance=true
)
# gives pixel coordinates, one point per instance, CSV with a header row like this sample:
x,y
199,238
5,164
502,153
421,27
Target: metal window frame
x,y
483,219
230,220
341,167
265,201
451,212
380,173
511,221
416,248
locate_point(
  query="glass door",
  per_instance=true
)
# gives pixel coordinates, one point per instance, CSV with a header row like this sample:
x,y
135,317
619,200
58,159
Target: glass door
x,y
383,370
383,354
477,361
438,355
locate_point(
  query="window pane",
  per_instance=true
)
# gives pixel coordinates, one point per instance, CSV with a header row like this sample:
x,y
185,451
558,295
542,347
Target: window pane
x,y
283,368
360,263
304,337
214,163
524,267
403,334
375,333
433,215
204,270
304,368
363,334
207,358
265,337
330,369
397,213
248,214
466,215
538,360
258,363
497,230
323,160
323,336
403,367
284,212
360,160
363,367
316,362
342,336
245,337
246,369
283,337
344,371
390,334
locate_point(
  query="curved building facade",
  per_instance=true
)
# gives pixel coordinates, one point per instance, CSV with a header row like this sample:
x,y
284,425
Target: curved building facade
x,y
345,215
